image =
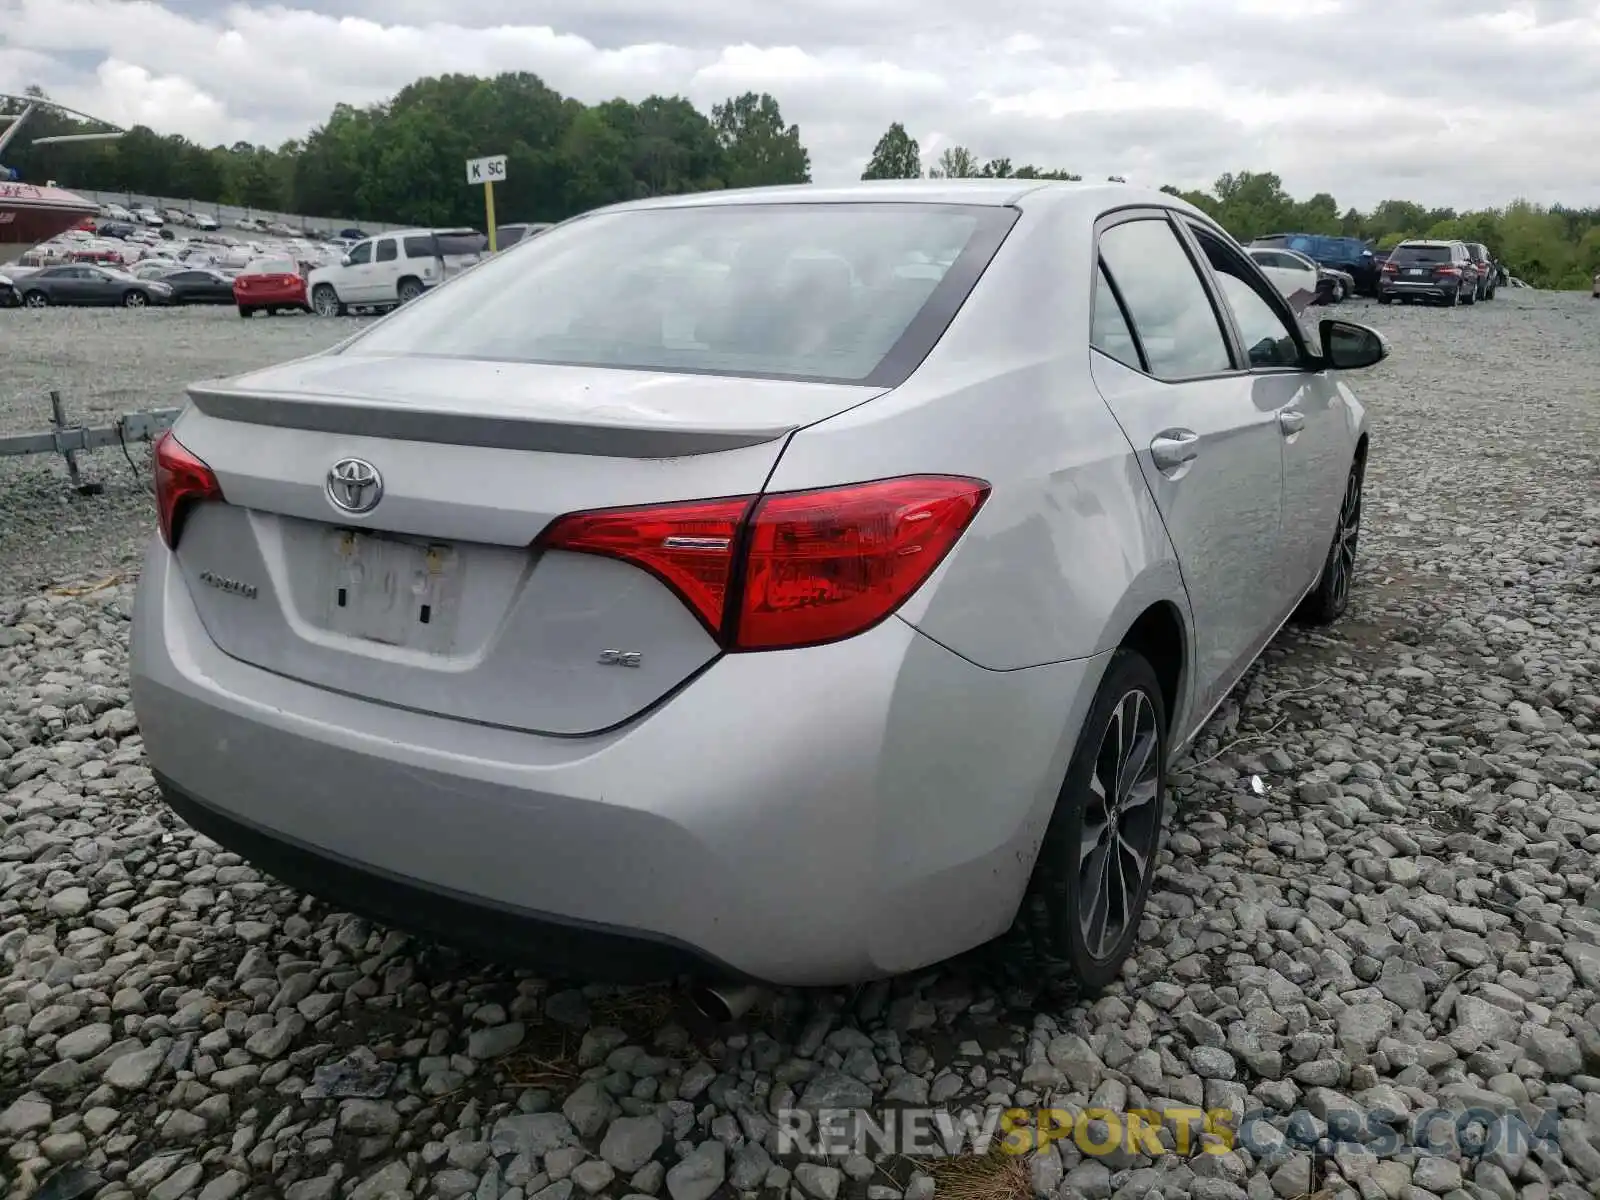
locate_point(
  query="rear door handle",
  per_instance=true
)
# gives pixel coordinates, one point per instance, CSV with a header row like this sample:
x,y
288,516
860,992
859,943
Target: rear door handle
x,y
1291,422
1171,448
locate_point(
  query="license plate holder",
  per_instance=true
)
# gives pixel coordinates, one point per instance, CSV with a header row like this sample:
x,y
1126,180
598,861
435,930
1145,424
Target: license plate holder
x,y
393,591
1416,271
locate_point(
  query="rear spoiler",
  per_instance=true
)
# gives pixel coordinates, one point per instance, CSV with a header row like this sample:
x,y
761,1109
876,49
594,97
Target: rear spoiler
x,y
633,437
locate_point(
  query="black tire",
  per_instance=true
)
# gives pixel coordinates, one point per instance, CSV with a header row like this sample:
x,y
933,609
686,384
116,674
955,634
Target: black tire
x,y
1470,298
1489,295
134,299
1052,932
36,300
246,311
1385,299
409,290
1328,601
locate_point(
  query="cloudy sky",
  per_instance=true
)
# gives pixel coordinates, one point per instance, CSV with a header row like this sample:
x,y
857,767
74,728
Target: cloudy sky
x,y
1459,102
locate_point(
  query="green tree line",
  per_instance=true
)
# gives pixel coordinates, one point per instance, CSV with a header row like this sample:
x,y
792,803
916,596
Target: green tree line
x,y
1552,247
403,161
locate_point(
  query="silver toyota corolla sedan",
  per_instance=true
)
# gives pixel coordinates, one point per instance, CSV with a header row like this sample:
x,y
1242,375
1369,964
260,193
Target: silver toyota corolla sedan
x,y
802,585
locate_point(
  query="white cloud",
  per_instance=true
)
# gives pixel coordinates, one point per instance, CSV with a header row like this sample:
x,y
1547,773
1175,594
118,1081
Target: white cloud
x,y
1460,102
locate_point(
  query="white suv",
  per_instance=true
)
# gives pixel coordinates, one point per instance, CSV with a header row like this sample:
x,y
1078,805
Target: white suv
x,y
394,267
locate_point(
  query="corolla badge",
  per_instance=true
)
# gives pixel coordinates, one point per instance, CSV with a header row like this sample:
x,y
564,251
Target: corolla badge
x,y
354,485
235,586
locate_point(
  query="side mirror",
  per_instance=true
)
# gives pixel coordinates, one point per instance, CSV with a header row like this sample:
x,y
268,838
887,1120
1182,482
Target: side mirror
x,y
1347,346
1366,254
344,260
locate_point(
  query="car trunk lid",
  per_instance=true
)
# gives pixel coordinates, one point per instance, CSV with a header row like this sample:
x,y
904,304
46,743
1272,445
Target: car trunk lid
x,y
433,598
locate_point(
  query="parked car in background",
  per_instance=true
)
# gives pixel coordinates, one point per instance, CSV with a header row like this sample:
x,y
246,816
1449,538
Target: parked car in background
x,y
199,285
116,212
146,215
114,229
206,221
78,285
1351,255
174,216
155,268
1295,275
1486,269
270,285
1435,271
394,268
510,235
726,552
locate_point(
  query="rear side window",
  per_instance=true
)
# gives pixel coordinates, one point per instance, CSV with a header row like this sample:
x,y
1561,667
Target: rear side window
x,y
1420,255
1108,331
451,244
1171,310
855,293
387,250
420,247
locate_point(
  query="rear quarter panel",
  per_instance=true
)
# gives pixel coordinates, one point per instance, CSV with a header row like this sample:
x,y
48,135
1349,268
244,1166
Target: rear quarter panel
x,y
1069,548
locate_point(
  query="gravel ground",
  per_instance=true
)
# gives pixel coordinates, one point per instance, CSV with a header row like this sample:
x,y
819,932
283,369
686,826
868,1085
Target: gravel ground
x,y
1380,893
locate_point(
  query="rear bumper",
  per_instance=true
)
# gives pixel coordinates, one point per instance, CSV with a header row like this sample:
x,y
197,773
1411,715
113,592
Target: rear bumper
x,y
1428,289
282,297
820,816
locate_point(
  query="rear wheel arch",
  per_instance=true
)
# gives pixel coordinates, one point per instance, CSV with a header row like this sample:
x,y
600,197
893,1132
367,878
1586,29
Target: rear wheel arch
x,y
1158,635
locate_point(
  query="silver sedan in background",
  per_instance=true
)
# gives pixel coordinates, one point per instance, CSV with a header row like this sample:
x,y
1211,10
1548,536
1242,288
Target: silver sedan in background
x,y
801,585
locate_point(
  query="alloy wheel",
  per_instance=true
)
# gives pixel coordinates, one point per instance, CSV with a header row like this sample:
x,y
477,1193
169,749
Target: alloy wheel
x,y
1349,531
1121,824
134,300
37,300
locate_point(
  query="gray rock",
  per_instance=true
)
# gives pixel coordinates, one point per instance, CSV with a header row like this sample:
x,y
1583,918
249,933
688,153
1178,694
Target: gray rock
x,y
630,1142
820,1182
498,1040
699,1173
25,1115
84,1042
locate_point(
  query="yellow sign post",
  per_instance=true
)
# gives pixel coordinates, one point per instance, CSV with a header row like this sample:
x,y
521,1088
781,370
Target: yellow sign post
x,y
485,171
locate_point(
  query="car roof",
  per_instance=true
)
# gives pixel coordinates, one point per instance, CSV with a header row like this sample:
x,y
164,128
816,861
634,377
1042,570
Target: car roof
x,y
1087,198
1428,242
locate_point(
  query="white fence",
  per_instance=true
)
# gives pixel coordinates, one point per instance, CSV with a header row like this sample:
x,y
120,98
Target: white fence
x,y
229,216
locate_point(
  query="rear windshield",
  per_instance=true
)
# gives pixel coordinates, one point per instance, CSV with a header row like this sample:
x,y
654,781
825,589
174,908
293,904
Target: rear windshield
x,y
272,266
807,291
1420,254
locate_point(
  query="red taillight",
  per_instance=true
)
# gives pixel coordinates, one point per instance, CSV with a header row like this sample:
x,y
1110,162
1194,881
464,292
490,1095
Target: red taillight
x,y
1388,268
1449,270
791,569
689,547
182,480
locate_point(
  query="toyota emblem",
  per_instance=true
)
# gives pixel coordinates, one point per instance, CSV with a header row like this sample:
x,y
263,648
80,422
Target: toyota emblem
x,y
354,485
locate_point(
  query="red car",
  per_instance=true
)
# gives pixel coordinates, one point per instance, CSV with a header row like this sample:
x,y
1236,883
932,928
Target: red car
x,y
271,284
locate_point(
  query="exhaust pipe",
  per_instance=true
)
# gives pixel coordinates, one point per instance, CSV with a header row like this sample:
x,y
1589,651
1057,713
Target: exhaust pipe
x,y
722,1004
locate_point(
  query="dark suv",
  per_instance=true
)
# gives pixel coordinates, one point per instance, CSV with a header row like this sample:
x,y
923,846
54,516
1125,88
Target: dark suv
x,y
1488,270
1438,272
1347,254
